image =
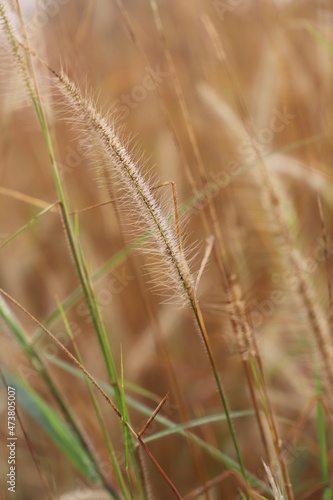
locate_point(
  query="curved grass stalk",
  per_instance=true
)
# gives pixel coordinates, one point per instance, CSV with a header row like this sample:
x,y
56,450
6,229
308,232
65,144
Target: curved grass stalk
x,y
37,362
99,388
171,427
138,188
97,409
87,287
140,191
317,320
120,256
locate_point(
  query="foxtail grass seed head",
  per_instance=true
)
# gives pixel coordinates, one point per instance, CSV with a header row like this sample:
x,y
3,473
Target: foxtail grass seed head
x,y
136,189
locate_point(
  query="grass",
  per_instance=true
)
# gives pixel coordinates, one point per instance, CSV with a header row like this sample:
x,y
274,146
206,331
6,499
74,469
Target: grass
x,y
209,392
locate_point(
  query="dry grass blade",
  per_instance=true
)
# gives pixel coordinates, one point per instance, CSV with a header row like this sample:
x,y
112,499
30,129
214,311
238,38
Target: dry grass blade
x,y
98,387
208,250
316,318
329,285
25,198
151,418
228,106
31,447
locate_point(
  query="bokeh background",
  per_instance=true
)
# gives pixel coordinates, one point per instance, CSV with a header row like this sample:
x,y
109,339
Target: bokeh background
x,y
281,66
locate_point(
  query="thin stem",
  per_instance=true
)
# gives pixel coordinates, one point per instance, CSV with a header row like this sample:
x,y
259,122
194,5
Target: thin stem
x,y
78,259
98,387
201,324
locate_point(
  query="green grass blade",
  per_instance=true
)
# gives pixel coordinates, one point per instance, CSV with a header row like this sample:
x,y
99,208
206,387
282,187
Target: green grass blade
x,y
88,291
197,422
23,228
120,256
328,492
97,410
107,353
323,42
124,412
169,424
55,427
40,367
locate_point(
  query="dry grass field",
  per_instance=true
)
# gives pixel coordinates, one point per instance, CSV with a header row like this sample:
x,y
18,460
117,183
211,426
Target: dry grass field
x,y
166,240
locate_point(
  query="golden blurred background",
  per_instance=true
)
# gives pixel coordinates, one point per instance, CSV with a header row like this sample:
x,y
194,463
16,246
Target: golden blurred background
x,y
279,54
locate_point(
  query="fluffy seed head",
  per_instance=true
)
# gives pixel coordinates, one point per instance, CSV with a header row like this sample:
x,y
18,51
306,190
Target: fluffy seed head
x,y
135,188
